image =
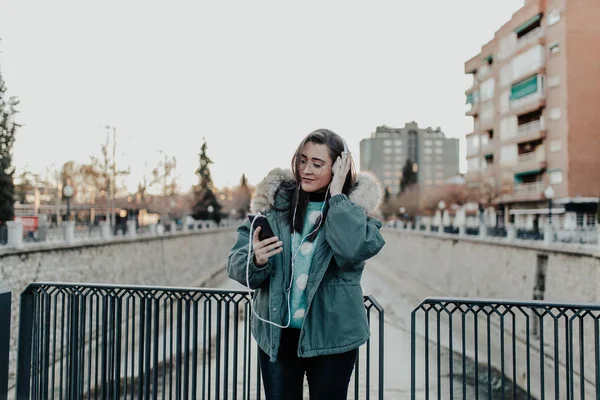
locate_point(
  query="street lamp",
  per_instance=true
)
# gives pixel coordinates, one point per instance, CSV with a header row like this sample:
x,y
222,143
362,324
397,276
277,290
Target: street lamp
x,y
549,194
68,193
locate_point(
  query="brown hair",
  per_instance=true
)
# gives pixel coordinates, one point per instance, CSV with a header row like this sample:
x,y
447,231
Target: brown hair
x,y
299,199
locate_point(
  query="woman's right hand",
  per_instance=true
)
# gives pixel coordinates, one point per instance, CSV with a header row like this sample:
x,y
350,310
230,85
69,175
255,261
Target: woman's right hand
x,y
265,249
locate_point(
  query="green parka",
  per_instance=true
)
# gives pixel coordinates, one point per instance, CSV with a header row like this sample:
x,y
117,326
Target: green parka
x,y
335,320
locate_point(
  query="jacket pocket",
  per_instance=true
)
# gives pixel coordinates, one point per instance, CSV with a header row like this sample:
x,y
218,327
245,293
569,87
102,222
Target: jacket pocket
x,y
339,318
342,277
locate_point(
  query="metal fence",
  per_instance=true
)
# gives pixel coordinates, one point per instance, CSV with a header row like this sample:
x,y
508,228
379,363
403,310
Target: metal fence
x,y
467,348
80,341
579,236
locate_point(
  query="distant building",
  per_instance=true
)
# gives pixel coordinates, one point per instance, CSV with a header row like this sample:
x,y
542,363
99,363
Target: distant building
x,y
434,156
534,100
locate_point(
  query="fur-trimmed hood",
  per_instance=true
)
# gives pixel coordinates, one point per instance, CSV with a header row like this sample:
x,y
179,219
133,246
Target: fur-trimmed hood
x,y
367,192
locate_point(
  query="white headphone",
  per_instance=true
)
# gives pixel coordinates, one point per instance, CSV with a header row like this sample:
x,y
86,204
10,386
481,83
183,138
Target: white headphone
x,y
345,152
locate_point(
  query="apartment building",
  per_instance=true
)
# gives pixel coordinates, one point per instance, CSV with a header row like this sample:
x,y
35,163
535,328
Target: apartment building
x,y
435,158
535,103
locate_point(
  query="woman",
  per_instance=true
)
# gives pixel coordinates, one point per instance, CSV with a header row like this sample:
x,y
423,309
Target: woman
x,y
308,311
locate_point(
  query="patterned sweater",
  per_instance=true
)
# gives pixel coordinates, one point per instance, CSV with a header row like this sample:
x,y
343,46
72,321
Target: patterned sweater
x,y
302,262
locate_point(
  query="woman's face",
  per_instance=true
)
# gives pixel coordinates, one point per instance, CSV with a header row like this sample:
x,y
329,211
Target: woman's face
x,y
314,167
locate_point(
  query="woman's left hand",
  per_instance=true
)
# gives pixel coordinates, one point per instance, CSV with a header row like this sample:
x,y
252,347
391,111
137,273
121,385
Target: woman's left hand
x,y
340,173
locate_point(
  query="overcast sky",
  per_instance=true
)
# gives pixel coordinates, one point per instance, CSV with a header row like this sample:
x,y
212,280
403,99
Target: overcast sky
x,y
252,77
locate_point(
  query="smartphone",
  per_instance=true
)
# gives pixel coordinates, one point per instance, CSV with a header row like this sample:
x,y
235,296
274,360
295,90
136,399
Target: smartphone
x,y
265,231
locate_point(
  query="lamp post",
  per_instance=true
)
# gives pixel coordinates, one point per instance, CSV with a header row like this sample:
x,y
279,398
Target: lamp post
x,y
68,193
549,194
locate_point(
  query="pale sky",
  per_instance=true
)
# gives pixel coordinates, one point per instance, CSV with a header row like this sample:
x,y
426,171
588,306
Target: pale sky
x,y
252,77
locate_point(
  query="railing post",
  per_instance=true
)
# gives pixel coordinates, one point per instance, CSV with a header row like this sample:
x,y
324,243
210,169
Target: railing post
x,y
105,230
5,305
548,234
131,228
511,232
15,234
69,231
24,345
482,231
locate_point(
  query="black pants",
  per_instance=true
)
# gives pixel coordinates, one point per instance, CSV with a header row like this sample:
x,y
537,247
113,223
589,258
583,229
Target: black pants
x,y
328,376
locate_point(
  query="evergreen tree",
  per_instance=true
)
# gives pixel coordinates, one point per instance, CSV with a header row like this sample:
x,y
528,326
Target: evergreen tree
x,y
409,176
203,171
242,197
385,207
206,206
8,130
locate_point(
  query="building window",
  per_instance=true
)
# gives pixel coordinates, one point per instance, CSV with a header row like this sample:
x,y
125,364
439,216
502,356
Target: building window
x,y
428,142
387,181
387,150
439,182
553,17
387,142
487,90
524,88
439,174
428,150
387,173
439,159
556,177
439,143
439,150
428,159
555,146
554,114
398,158
387,158
398,142
428,182
553,48
387,166
398,150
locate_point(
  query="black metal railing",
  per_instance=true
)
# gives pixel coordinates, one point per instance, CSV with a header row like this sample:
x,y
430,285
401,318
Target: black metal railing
x,y
5,307
81,341
467,348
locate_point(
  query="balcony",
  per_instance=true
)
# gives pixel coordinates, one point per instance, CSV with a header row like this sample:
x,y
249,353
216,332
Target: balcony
x,y
472,109
528,191
472,151
532,161
528,103
488,147
532,191
483,72
536,36
531,131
